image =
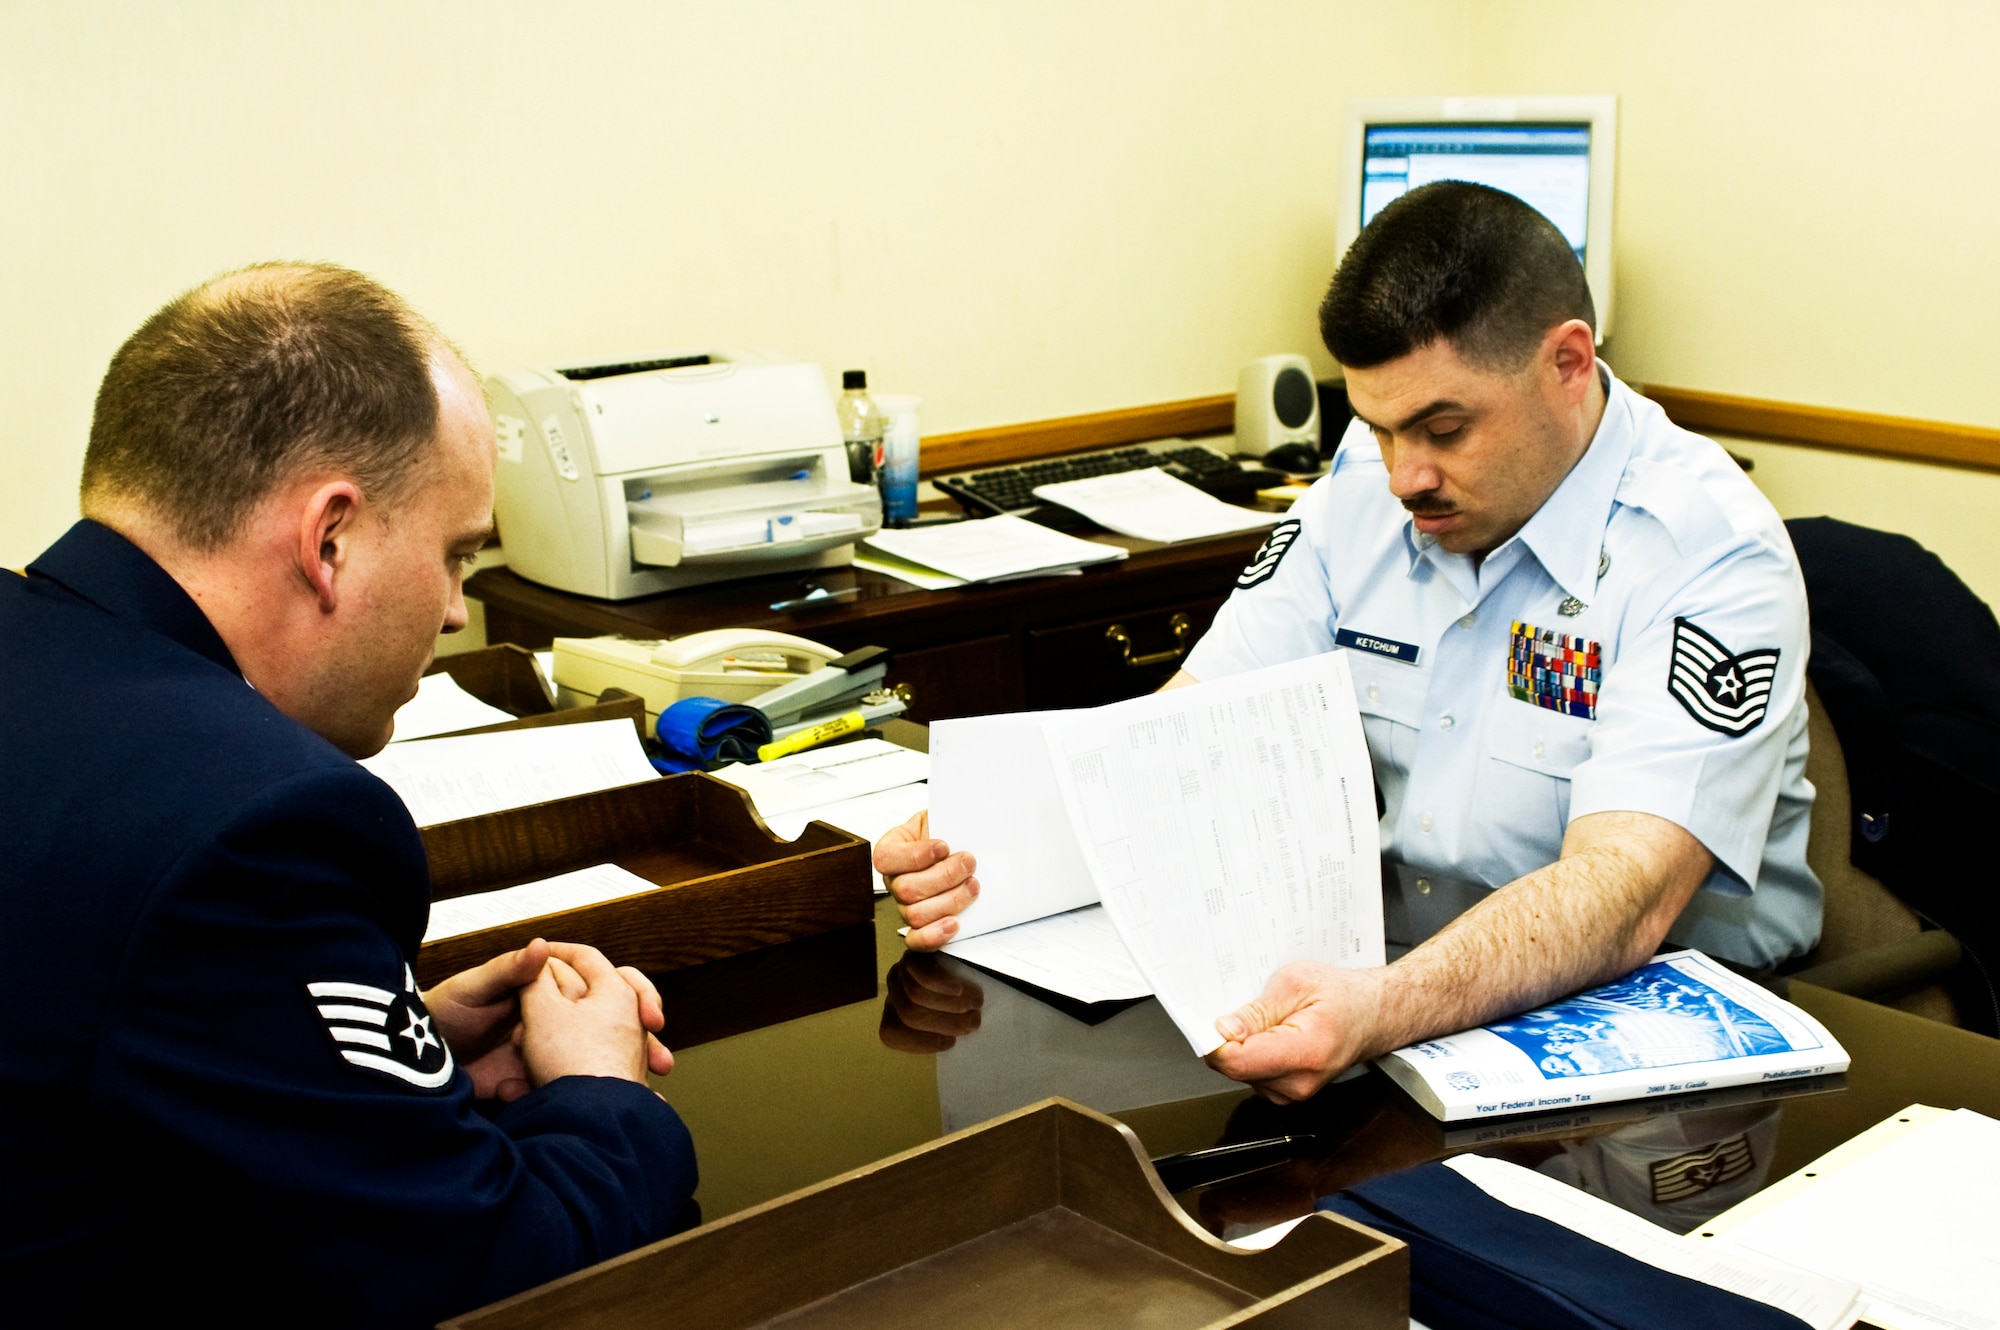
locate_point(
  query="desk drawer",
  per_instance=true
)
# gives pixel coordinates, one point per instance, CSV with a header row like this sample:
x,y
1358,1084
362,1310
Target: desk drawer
x,y
1112,658
975,678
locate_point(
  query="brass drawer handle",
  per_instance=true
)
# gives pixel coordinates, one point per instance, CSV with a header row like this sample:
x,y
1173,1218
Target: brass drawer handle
x,y
1179,626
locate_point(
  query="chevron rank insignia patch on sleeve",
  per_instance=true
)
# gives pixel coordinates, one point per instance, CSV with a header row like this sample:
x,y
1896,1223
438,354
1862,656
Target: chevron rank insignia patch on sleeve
x,y
383,1033
1728,692
1265,561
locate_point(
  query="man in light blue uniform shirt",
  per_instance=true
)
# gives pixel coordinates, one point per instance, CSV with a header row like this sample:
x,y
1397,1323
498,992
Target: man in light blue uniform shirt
x,y
1655,535
1578,637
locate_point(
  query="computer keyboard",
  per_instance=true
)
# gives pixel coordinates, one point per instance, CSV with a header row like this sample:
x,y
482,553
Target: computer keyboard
x,y
1011,489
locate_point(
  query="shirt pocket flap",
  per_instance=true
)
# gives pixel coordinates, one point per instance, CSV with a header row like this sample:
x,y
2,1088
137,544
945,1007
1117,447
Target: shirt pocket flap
x,y
1387,688
1537,738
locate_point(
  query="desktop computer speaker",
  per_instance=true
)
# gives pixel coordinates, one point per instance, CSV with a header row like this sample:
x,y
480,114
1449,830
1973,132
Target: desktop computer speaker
x,y
1277,403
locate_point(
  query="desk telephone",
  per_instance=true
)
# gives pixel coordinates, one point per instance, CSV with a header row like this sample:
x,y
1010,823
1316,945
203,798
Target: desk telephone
x,y
780,674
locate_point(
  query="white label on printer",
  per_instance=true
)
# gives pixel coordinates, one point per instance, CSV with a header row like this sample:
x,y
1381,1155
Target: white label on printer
x,y
558,448
509,433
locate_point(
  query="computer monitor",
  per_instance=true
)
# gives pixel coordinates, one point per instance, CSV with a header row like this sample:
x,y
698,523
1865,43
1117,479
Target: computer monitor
x,y
1558,153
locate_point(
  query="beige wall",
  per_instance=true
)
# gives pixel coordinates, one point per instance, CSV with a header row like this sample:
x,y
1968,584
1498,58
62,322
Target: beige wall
x,y
1806,196
1955,513
1017,211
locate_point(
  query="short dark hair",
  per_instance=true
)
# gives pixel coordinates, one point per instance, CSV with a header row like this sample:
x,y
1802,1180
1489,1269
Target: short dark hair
x,y
250,378
1472,265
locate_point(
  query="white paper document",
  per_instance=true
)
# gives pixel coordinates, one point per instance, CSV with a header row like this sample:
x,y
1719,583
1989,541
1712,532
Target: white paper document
x,y
1913,1221
1077,954
1152,505
992,548
442,707
531,900
821,776
993,791
445,780
870,817
1230,828
1821,1302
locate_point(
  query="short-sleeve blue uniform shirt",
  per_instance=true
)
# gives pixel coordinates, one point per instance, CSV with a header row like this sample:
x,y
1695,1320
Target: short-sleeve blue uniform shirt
x,y
1639,645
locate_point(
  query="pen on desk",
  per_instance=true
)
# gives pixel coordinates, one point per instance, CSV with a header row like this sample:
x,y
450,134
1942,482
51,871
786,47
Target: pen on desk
x,y
1202,1168
818,595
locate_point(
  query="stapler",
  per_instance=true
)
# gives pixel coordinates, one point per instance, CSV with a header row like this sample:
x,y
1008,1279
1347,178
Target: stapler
x,y
844,679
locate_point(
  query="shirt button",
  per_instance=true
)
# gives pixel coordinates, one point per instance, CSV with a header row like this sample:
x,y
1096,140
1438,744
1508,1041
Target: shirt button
x,y
1423,886
1445,721
1538,748
1424,822
1467,621
1374,693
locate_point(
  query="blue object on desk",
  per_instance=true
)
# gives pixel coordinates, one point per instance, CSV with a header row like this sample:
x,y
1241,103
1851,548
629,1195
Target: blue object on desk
x,y
700,730
1479,1264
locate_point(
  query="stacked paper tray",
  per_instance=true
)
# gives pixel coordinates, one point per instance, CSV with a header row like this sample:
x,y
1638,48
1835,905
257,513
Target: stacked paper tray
x,y
1049,1217
727,885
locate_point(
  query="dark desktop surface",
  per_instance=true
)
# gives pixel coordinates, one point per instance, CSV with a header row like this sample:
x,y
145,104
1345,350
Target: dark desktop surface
x,y
804,1060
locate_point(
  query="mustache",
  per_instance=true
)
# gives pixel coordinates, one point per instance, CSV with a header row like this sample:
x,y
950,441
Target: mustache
x,y
1427,505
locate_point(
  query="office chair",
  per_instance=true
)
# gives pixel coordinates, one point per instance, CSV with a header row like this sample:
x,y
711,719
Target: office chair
x,y
1905,700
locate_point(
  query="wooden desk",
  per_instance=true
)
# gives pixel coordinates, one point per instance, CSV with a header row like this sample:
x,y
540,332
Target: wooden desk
x,y
785,1079
1033,644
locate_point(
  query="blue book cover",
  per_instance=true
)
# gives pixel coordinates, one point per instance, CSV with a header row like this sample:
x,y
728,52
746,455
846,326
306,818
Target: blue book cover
x,y
1679,1023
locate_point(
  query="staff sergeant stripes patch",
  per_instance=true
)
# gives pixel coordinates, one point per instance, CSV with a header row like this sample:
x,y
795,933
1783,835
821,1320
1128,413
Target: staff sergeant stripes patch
x,y
1729,693
1691,1174
1265,561
382,1032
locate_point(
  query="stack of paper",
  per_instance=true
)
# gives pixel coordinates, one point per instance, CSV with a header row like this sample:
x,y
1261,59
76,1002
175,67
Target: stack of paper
x,y
445,780
442,707
1152,505
531,900
1228,827
864,788
1905,1209
991,549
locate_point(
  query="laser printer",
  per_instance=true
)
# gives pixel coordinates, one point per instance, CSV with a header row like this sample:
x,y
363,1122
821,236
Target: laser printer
x,y
626,478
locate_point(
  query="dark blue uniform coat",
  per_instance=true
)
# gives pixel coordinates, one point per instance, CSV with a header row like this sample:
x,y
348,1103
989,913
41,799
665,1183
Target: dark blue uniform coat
x,y
218,1086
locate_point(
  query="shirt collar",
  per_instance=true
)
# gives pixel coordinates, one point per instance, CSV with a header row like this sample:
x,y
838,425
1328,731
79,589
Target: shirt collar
x,y
1566,534
97,564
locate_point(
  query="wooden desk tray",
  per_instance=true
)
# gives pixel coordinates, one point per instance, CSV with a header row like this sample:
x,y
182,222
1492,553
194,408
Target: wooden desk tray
x,y
505,676
1048,1217
729,885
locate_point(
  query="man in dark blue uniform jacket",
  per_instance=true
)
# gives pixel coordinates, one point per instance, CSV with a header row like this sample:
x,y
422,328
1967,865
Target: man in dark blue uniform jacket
x,y
219,1085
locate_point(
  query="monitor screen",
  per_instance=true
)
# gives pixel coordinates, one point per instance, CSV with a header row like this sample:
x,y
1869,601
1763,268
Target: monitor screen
x,y
1546,165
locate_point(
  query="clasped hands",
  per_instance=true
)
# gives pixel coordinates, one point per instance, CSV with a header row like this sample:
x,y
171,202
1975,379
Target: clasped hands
x,y
1311,1022
548,1010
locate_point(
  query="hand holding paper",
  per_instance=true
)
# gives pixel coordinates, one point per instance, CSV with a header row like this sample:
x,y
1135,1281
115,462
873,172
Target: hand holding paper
x,y
932,884
1228,827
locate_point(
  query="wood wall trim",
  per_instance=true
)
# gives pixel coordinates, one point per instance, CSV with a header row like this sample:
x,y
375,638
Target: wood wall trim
x,y
1001,445
1904,437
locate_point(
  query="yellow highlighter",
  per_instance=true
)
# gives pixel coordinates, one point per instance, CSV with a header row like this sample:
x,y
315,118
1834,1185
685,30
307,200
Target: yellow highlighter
x,y
812,738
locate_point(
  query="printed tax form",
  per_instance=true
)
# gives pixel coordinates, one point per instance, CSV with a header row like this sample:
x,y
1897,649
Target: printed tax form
x,y
1228,828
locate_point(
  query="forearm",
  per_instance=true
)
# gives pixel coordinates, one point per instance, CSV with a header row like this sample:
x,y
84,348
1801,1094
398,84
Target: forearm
x,y
1598,912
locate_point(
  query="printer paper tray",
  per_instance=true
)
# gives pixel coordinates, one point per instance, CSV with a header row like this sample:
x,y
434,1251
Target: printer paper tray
x,y
656,550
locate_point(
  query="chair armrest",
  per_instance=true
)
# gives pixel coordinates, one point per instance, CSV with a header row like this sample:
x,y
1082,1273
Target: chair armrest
x,y
1902,966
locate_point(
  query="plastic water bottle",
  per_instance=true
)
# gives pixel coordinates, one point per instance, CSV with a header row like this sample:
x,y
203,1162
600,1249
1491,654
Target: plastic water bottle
x,y
860,426
897,473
